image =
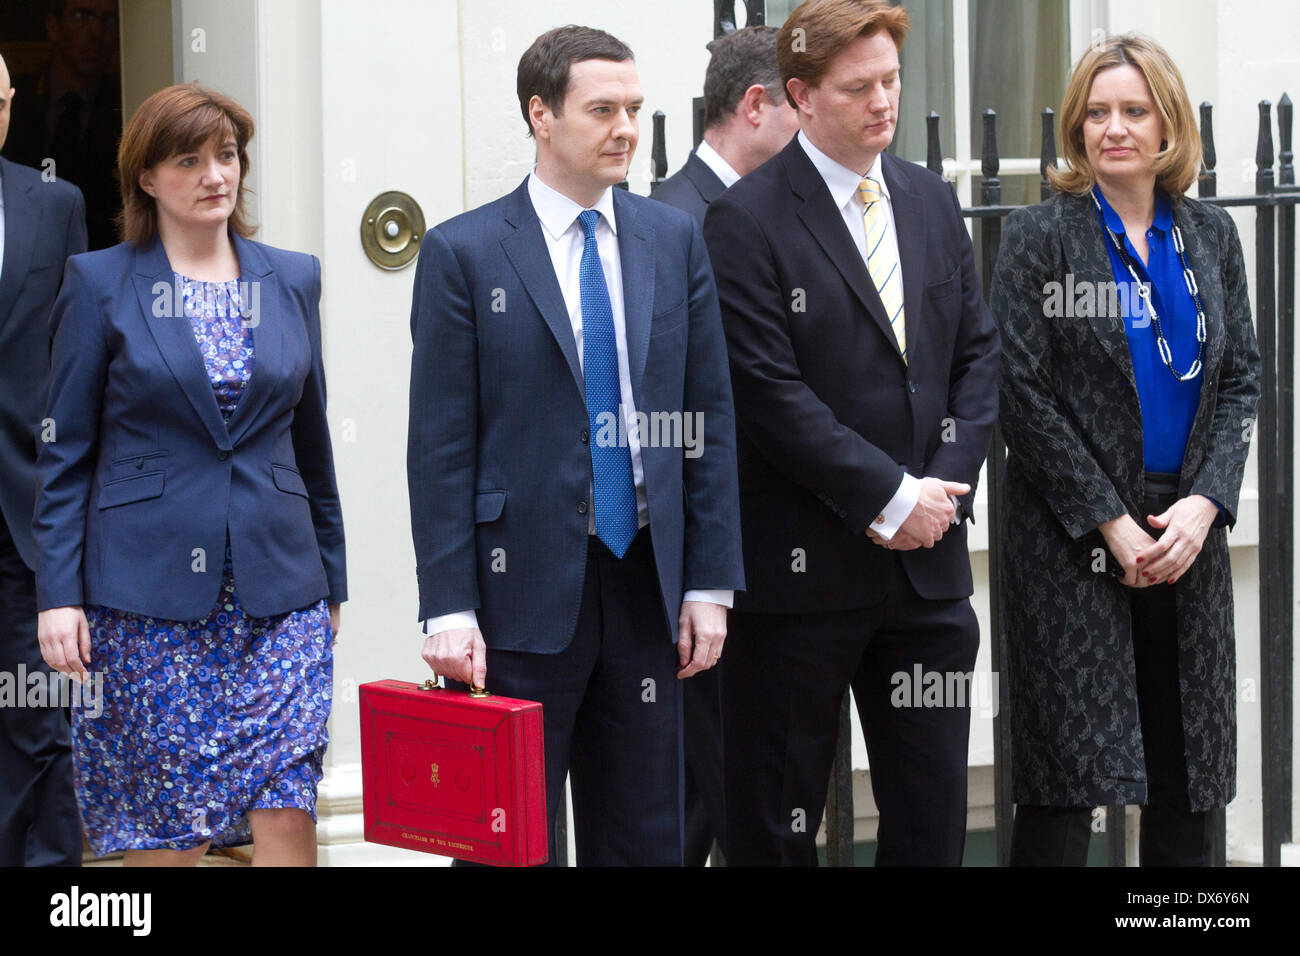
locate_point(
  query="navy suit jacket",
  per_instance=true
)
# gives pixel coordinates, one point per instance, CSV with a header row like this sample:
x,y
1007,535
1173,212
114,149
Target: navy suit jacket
x,y
828,412
144,478
45,222
691,188
498,460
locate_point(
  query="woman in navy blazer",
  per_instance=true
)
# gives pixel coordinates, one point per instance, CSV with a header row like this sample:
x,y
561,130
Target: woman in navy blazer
x,y
188,529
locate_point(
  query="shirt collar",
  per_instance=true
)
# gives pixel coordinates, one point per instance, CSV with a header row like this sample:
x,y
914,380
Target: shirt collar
x,y
1163,220
721,168
558,212
842,182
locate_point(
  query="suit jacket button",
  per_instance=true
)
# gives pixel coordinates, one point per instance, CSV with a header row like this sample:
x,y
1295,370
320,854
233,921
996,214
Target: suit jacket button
x,y
911,386
582,507
223,455
585,436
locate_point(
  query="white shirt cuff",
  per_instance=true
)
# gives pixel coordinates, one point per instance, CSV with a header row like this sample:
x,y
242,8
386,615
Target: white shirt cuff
x,y
899,507
957,516
725,598
450,622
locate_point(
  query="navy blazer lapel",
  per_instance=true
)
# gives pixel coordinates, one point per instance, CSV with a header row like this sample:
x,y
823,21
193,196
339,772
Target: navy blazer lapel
x,y
527,252
823,220
705,180
164,310
1088,263
22,224
260,294
636,250
910,226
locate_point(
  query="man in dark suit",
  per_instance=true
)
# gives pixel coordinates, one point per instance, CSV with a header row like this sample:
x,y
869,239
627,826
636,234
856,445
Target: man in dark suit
x,y
571,520
747,121
41,224
70,113
864,365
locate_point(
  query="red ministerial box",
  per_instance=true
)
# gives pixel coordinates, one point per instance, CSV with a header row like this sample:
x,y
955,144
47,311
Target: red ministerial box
x,y
447,773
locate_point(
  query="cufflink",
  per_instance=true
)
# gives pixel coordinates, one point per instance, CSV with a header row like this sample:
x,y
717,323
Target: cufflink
x,y
880,519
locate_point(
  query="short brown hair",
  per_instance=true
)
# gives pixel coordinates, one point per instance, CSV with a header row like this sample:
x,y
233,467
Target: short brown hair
x,y
1178,164
741,59
814,34
178,119
544,67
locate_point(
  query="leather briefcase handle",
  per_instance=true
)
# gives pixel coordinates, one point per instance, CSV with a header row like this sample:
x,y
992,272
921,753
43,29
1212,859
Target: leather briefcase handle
x,y
474,691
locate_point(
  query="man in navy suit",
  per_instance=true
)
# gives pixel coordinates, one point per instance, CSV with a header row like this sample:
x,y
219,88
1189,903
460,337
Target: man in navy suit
x,y
41,224
571,455
864,363
747,121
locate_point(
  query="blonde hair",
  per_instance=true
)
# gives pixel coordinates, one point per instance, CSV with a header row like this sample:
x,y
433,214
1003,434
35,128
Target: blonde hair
x,y
1178,164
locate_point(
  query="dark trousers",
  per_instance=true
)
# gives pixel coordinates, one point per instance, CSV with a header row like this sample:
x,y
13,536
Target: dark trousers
x,y
784,679
39,822
705,807
1171,834
611,715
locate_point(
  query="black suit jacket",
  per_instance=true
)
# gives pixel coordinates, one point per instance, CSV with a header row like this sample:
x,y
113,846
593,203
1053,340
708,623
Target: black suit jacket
x,y
44,224
95,172
829,414
691,188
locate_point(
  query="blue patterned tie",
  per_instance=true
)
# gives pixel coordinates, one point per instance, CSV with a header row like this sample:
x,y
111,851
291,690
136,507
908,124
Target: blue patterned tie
x,y
611,461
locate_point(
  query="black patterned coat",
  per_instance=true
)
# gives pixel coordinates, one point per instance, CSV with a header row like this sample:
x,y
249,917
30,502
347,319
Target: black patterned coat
x,y
1072,423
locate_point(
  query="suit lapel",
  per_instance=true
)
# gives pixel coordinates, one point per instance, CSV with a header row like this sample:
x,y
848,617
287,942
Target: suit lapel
x,y
1084,241
527,252
22,224
910,226
705,180
819,214
636,250
259,291
163,308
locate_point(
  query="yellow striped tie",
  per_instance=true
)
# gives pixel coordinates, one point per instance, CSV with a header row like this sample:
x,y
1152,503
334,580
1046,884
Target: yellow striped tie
x,y
882,261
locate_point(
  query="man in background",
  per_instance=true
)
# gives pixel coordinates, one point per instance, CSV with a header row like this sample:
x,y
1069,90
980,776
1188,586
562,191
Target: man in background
x,y
41,224
747,121
71,111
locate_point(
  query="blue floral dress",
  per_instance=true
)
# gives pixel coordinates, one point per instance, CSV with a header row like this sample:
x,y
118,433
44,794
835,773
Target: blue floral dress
x,y
203,721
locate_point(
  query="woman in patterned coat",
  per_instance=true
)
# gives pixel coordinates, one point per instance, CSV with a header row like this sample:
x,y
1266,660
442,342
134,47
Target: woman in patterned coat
x,y
1129,384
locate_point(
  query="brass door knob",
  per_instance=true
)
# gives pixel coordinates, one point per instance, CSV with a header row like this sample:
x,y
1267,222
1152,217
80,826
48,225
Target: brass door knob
x,y
391,228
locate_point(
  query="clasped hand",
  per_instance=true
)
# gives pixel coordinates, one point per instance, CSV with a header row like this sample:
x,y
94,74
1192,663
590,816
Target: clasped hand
x,y
1146,560
931,516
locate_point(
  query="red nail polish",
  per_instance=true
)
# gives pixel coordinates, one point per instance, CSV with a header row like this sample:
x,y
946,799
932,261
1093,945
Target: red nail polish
x,y
1139,560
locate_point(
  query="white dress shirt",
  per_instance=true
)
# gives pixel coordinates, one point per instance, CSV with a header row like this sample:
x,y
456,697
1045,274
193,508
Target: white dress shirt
x,y
565,241
713,159
843,184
